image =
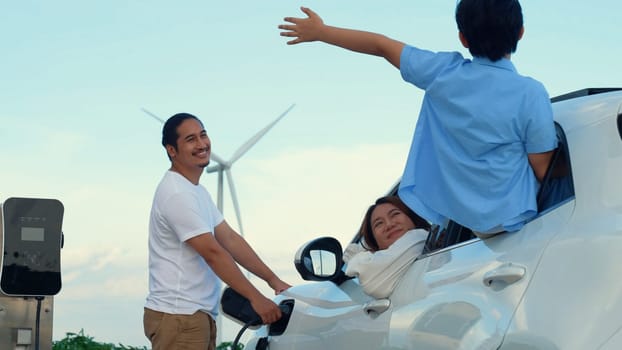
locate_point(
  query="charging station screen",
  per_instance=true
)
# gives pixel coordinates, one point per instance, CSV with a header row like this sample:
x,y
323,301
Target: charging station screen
x,y
33,234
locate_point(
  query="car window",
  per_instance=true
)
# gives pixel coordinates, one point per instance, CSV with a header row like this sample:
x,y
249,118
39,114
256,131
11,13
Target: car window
x,y
443,237
557,187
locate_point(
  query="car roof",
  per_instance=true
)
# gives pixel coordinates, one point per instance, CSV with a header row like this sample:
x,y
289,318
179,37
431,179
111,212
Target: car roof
x,y
583,92
578,109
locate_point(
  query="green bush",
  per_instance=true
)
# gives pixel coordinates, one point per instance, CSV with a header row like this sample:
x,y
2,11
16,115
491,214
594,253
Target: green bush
x,y
227,345
80,341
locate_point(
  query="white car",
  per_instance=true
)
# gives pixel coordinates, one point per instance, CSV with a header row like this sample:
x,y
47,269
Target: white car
x,y
555,284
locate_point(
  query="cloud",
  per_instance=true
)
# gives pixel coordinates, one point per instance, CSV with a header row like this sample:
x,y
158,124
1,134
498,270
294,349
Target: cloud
x,y
298,195
103,271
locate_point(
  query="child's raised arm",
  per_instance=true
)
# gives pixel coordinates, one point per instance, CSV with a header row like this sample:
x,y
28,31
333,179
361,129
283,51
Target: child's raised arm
x,y
313,28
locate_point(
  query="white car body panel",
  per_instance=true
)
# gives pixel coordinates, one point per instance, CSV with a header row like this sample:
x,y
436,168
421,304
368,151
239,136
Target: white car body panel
x,y
469,312
575,299
553,285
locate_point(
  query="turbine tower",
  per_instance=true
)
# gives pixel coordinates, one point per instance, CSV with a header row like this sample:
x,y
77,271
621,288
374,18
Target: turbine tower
x,y
224,166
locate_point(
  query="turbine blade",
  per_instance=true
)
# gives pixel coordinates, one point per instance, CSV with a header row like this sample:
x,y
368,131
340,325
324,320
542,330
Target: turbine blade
x,y
218,160
153,116
218,167
212,168
253,140
234,199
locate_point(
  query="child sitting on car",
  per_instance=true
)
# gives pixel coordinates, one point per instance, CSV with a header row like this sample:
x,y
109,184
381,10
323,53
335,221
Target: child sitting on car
x,y
485,134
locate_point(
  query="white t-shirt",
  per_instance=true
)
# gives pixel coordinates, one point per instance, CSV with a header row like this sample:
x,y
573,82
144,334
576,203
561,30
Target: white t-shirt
x,y
180,280
379,272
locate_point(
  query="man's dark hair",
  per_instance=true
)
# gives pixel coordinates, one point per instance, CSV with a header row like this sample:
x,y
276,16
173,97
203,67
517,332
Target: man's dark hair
x,y
169,131
491,27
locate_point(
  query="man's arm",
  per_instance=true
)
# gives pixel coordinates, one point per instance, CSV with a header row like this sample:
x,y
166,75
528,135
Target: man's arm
x,y
540,163
242,252
224,266
313,28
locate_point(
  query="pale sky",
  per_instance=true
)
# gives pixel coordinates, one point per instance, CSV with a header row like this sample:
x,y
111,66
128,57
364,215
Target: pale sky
x,y
75,75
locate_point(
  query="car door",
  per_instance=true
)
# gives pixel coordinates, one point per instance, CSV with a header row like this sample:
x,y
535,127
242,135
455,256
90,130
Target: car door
x,y
464,296
330,316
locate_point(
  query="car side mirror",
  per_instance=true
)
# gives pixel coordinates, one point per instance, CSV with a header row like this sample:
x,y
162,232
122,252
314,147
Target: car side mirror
x,y
320,260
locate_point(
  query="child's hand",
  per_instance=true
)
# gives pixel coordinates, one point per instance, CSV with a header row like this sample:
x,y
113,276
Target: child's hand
x,y
303,29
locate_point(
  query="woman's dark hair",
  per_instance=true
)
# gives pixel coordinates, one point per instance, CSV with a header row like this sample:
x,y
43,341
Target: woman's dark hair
x,y
169,131
491,27
366,231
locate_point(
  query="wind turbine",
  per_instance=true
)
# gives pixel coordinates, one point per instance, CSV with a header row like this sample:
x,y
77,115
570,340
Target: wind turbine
x,y
224,166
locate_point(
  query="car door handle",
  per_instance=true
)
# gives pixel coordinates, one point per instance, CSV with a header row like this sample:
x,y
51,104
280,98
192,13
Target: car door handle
x,y
376,307
505,274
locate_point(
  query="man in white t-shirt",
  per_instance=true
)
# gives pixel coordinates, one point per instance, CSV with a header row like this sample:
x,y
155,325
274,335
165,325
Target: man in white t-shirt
x,y
192,248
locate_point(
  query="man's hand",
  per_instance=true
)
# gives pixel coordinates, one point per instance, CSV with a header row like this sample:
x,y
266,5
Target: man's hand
x,y
303,29
278,285
266,309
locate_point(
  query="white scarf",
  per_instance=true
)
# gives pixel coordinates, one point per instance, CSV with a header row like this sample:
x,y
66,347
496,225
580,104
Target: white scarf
x,y
380,271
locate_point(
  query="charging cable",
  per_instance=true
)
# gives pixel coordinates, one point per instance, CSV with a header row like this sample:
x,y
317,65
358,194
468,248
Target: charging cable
x,y
285,311
234,345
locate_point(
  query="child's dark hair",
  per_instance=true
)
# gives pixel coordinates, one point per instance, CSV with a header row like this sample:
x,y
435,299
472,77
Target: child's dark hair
x,y
366,231
492,28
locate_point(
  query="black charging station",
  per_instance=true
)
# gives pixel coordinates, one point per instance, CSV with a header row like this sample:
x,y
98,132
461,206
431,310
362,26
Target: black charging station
x,y
32,240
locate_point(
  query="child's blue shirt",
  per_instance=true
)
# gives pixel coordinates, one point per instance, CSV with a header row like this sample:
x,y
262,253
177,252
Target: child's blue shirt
x,y
478,121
